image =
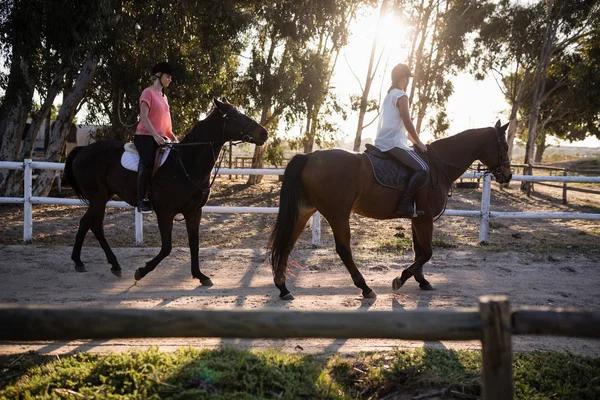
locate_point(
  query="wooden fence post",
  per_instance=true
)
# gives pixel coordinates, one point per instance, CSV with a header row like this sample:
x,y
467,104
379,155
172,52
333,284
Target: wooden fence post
x,y
496,343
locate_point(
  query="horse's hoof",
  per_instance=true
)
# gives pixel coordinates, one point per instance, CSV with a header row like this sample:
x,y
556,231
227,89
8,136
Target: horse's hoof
x,y
370,295
397,283
137,276
116,272
288,296
426,286
80,268
206,282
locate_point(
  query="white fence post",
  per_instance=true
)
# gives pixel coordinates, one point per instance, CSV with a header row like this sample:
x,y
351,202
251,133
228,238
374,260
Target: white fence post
x,y
27,208
316,230
139,227
484,225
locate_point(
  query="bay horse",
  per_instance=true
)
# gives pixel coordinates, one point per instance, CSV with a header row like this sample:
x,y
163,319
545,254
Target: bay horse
x,y
181,185
337,182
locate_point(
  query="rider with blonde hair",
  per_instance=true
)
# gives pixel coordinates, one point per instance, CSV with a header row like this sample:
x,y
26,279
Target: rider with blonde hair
x,y
153,130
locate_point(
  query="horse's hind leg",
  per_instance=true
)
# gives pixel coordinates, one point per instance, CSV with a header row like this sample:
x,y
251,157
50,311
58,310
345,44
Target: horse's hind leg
x,y
84,226
97,227
340,225
165,225
279,274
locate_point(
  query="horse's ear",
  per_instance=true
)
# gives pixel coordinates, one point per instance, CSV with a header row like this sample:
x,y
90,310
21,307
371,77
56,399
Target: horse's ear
x,y
224,100
497,126
504,127
216,101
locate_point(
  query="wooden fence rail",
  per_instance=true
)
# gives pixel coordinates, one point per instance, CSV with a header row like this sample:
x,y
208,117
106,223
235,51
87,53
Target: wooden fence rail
x,y
493,323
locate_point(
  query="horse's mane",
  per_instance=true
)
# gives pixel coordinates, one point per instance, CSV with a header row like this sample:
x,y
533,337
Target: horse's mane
x,y
451,139
191,132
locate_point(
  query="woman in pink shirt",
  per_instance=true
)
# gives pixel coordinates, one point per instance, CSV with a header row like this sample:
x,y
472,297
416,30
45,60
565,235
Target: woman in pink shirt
x,y
153,130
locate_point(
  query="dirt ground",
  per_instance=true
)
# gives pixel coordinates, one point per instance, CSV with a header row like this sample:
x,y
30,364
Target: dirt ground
x,y
534,262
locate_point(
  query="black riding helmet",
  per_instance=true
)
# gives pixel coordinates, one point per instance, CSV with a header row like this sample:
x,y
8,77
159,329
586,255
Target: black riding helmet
x,y
162,68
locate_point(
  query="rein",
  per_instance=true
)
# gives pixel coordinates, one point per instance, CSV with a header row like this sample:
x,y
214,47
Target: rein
x,y
245,137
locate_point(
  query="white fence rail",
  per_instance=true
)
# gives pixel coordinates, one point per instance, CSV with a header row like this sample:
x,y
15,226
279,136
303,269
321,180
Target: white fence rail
x,y
484,214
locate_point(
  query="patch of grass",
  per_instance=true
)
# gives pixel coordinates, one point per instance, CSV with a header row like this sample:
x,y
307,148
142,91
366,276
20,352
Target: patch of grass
x,y
441,244
496,225
541,375
397,244
187,374
235,374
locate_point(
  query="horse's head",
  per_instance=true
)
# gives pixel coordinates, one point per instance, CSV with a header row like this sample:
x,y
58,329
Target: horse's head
x,y
237,126
495,156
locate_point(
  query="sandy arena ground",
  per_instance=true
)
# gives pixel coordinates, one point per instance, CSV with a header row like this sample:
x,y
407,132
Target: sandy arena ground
x,y
534,262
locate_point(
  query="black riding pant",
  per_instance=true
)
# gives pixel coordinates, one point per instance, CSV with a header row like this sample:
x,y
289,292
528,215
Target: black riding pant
x,y
146,147
414,162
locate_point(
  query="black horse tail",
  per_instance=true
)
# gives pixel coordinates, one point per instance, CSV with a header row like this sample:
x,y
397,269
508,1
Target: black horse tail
x,y
69,173
281,240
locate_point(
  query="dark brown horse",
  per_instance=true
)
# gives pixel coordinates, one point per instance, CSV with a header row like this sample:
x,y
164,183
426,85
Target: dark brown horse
x,y
181,185
338,182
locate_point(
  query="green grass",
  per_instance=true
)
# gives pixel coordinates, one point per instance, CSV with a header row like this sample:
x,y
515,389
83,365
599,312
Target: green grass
x,y
235,374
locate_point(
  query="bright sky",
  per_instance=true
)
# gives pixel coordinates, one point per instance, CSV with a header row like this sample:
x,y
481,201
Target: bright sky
x,y
474,103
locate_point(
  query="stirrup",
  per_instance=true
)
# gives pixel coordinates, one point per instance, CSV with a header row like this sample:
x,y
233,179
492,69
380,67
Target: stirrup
x,y
405,209
416,212
145,207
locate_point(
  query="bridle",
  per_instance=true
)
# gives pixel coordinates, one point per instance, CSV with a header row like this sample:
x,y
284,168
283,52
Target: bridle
x,y
245,137
502,164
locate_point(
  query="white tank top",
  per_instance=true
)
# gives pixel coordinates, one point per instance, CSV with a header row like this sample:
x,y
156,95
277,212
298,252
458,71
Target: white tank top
x,y
390,130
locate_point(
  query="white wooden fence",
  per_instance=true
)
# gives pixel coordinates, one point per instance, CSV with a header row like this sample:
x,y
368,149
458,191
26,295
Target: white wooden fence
x,y
485,214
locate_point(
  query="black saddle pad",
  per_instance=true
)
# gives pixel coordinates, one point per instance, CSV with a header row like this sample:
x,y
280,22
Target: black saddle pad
x,y
389,172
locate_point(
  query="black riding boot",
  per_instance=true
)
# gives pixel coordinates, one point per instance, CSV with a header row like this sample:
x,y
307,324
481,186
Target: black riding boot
x,y
405,206
143,179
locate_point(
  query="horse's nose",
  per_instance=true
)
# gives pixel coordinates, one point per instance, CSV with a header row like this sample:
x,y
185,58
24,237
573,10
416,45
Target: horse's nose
x,y
264,135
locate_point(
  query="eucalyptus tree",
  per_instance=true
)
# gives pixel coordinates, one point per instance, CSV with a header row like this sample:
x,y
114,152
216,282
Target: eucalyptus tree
x,y
57,39
439,36
202,40
280,37
363,104
564,25
506,48
318,100
571,112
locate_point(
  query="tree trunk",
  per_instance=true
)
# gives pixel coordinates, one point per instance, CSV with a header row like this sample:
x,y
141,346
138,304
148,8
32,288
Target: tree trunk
x,y
258,159
540,148
16,105
58,134
370,75
514,113
14,182
418,54
308,141
539,88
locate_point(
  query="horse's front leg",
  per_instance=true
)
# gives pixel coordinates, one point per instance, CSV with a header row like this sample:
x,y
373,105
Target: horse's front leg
x,y
165,225
192,224
341,232
422,232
